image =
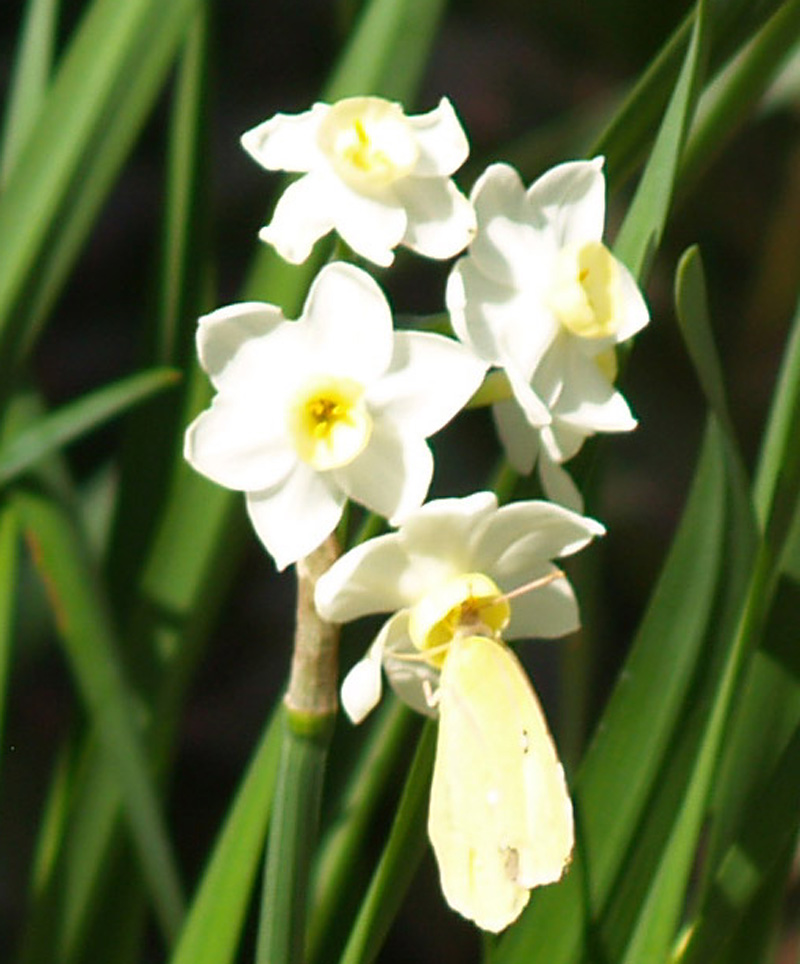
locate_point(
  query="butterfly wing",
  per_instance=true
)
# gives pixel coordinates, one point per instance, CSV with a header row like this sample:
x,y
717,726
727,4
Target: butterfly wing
x,y
500,817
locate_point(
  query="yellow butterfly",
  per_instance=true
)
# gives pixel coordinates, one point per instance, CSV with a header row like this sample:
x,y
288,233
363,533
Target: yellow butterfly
x,y
500,817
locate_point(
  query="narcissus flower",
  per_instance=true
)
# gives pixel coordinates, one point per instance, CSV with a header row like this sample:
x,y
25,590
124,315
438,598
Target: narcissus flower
x,y
374,174
444,574
334,405
539,295
500,817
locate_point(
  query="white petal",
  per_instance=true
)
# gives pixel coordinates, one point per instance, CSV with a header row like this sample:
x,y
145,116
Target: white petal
x,y
571,197
348,324
443,145
429,381
561,441
502,324
392,475
589,402
237,447
533,408
370,578
636,315
524,535
510,246
287,142
558,485
441,221
222,333
361,688
444,531
294,518
545,613
518,437
373,225
413,680
302,216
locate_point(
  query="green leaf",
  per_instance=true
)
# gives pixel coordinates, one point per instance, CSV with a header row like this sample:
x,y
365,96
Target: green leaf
x,y
30,78
51,432
399,861
624,762
91,647
216,916
729,102
627,137
641,231
364,793
389,50
117,44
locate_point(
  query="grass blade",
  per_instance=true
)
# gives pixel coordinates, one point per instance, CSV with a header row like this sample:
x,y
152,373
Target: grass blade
x,y
90,644
399,861
641,231
52,432
624,760
30,79
216,915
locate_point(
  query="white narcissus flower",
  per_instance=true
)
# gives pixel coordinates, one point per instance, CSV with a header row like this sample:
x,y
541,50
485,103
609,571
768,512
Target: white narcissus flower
x,y
444,574
332,406
377,176
539,295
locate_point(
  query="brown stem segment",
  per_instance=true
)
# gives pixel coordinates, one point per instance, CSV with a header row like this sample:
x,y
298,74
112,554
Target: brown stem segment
x,y
313,680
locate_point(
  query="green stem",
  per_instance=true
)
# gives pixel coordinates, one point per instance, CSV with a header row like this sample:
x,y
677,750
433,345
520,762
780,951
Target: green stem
x,y
310,703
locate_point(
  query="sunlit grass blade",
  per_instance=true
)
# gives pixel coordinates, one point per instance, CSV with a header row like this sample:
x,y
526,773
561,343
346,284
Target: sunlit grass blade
x,y
624,761
729,102
31,75
641,231
216,916
768,820
332,890
769,707
91,647
399,860
389,50
53,431
102,57
184,290
626,138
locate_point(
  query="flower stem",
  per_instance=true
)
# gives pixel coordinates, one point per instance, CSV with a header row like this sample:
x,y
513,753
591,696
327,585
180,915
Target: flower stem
x,y
308,725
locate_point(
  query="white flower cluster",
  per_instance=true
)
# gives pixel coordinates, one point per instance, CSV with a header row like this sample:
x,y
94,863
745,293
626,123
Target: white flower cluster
x,y
338,405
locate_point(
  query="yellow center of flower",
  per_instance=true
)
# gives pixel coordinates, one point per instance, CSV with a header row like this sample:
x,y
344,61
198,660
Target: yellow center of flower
x,y
586,292
329,422
467,605
368,141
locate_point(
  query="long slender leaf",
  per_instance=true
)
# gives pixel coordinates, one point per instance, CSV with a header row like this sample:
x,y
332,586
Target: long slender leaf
x,y
399,861
85,90
624,760
31,76
643,226
338,850
216,916
72,421
729,101
89,640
